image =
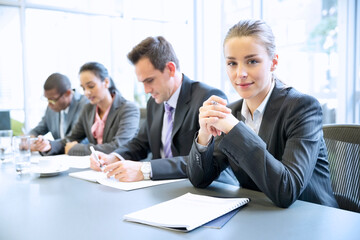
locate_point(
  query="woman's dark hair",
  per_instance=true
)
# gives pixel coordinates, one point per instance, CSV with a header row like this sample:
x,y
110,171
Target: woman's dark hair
x,y
101,72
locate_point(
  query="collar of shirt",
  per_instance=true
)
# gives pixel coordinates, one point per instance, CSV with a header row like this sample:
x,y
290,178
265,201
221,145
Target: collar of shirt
x,y
97,129
254,121
66,110
174,98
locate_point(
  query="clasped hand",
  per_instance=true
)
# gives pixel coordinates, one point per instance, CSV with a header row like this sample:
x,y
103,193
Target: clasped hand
x,y
214,118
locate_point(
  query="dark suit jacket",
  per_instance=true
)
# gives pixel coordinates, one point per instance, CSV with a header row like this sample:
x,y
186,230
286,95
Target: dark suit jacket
x,y
121,126
287,161
51,120
186,123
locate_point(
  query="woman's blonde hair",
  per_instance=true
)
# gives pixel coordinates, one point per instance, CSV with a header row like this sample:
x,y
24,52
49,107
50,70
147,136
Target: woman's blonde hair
x,y
257,29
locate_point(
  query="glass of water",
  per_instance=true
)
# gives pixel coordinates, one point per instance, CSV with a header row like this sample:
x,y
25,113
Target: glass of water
x,y
5,145
22,153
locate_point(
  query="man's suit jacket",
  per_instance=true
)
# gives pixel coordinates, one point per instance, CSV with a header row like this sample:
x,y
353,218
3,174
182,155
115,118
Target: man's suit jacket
x,y
51,120
287,160
121,126
186,123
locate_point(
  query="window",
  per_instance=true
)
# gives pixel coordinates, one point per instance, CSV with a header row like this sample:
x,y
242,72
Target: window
x,y
318,45
47,36
11,70
307,37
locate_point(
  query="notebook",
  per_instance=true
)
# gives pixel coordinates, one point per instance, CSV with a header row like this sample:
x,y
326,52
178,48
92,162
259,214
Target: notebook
x,y
100,177
186,212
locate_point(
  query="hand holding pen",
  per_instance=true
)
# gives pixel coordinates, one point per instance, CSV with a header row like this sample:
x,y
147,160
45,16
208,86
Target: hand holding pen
x,y
101,166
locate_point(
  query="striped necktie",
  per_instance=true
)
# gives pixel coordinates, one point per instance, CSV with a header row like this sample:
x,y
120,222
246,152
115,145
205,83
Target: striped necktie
x,y
167,145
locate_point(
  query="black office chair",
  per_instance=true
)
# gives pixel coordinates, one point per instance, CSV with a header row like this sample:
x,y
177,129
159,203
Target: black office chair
x,y
343,145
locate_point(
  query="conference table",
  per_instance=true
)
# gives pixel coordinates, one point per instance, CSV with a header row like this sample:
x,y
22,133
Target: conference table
x,y
63,207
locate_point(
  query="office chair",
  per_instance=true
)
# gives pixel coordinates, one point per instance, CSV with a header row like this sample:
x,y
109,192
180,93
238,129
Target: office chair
x,y
343,146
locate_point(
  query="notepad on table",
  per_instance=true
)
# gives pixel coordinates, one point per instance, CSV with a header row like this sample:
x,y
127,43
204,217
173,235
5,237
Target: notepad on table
x,y
186,212
100,177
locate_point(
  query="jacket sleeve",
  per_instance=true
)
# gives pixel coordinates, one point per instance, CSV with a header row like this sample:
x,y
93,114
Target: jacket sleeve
x,y
128,118
282,180
137,148
205,166
41,128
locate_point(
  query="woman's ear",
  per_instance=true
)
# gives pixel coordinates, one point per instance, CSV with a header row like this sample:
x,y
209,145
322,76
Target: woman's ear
x,y
106,82
274,63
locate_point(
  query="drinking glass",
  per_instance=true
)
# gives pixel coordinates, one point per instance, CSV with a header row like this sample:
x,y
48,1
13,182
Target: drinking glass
x,y
5,145
22,153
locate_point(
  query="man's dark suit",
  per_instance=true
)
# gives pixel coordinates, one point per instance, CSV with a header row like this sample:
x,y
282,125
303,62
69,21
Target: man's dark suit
x,y
287,161
186,123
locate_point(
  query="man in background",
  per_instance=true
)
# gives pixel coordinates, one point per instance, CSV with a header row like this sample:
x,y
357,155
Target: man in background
x,y
171,121
64,108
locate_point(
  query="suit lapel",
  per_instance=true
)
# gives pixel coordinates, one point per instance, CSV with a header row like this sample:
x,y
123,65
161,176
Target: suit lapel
x,y
118,100
275,101
156,128
69,116
236,109
90,122
182,106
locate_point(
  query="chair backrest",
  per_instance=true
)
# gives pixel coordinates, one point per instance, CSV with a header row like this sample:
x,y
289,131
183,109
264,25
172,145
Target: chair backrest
x,y
343,146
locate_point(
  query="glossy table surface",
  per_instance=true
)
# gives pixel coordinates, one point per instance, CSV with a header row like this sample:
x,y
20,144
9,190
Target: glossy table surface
x,y
62,207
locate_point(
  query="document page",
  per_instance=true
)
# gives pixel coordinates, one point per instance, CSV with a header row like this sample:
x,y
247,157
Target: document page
x,y
89,175
100,177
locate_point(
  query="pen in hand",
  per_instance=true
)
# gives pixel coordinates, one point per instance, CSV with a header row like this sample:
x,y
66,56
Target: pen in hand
x,y
96,158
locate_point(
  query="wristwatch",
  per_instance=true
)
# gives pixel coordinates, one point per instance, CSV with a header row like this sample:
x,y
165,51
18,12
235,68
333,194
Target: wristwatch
x,y
146,170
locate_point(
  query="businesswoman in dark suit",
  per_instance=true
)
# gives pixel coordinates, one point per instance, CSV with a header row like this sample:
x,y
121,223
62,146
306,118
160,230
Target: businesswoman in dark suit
x,y
108,121
272,138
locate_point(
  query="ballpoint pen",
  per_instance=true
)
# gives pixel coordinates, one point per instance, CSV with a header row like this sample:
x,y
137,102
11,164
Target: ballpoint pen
x,y
96,157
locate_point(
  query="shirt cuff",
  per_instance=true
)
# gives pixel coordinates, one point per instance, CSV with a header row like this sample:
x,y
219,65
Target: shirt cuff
x,y
118,156
200,147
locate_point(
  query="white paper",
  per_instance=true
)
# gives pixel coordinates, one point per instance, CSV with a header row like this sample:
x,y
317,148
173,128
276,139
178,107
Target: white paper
x,y
80,162
101,178
89,175
186,212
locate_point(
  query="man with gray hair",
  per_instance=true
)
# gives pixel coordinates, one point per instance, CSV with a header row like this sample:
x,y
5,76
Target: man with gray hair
x,y
64,107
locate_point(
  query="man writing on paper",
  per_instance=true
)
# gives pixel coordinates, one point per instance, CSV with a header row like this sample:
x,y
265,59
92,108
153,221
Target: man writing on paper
x,y
172,117
64,107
